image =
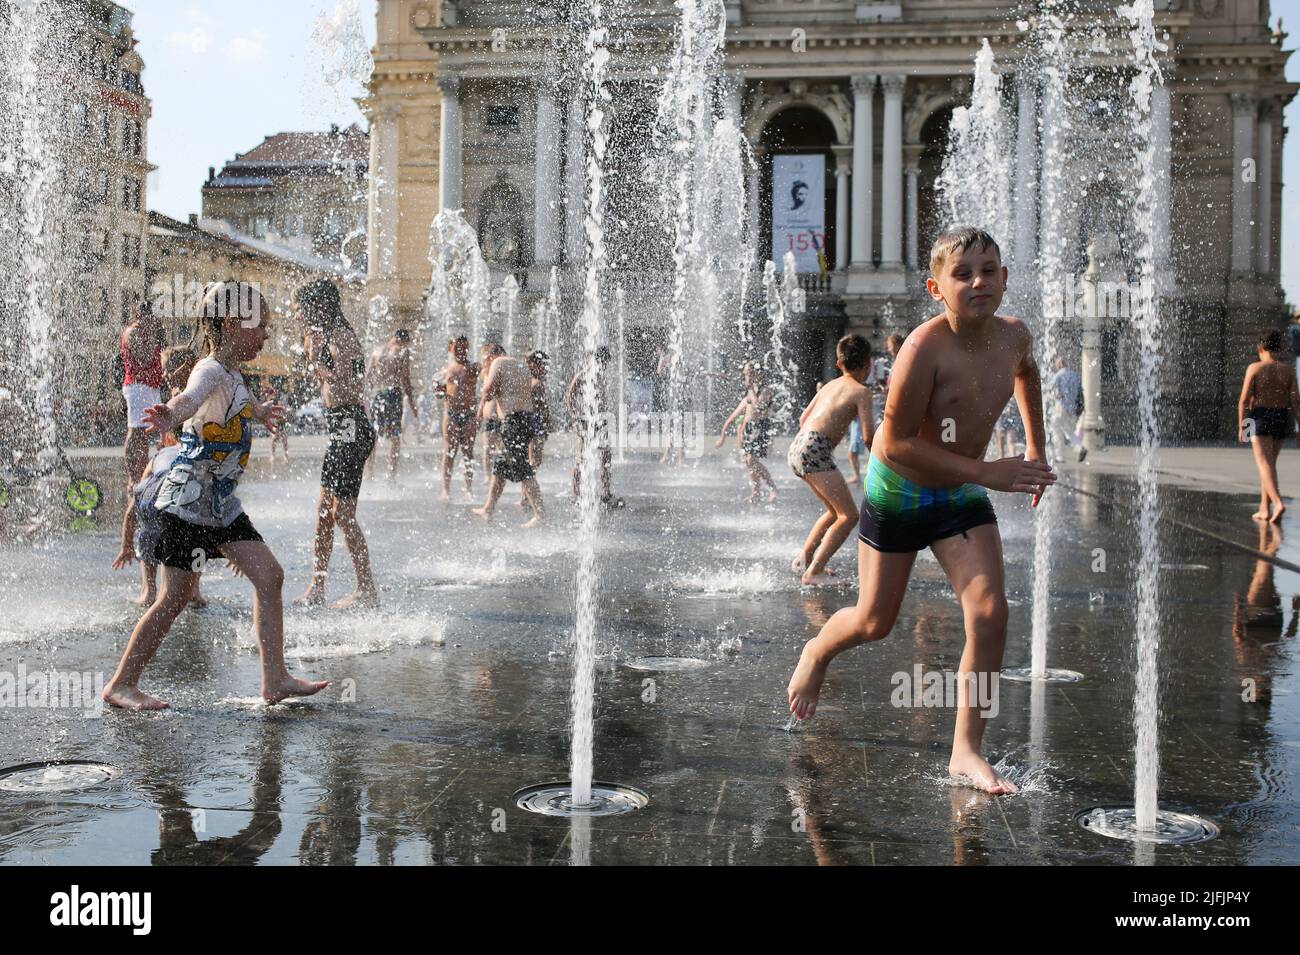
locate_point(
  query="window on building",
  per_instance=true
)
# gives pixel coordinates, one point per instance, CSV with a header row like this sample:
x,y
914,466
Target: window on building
x,y
126,306
105,134
502,116
103,185
80,120
126,192
103,306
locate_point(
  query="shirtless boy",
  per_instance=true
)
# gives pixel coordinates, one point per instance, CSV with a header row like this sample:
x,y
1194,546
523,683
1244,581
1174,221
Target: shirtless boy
x,y
754,433
811,457
509,386
389,376
926,481
1269,397
458,385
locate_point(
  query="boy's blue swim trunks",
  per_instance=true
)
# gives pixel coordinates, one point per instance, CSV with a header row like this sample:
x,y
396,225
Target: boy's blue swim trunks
x,y
900,516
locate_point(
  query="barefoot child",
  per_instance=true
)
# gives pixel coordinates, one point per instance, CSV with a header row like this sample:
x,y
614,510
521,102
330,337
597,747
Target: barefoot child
x,y
140,527
926,481
1269,392
457,385
754,434
811,457
334,354
200,517
509,387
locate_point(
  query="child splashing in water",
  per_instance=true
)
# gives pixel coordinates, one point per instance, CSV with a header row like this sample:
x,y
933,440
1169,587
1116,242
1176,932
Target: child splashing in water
x,y
811,457
140,527
754,434
1269,399
926,479
200,517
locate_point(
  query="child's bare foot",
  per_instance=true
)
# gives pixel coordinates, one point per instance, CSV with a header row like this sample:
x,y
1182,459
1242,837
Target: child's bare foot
x,y
982,776
752,499
144,600
482,512
314,597
469,496
771,496
819,579
444,496
806,684
292,686
358,598
1277,515
1260,515
799,563
132,698
536,520
199,601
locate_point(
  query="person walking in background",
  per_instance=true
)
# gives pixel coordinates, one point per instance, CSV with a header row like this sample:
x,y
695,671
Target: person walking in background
x,y
1066,390
389,375
1269,398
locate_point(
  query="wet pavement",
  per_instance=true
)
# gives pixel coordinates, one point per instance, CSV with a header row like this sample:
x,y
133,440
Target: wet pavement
x,y
455,694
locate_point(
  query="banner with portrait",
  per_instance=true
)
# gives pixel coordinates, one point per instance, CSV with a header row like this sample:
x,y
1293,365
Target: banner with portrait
x,y
799,210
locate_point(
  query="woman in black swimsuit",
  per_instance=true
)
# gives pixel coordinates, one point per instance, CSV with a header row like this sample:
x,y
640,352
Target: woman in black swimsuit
x,y
334,354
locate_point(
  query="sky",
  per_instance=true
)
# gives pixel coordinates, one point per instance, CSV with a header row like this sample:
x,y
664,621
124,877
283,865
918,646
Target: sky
x,y
224,75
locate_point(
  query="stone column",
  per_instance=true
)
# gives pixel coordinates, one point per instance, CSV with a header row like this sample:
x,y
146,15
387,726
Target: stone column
x,y
912,170
449,171
1244,106
546,173
1025,244
891,176
843,160
1162,146
381,254
753,190
1094,428
733,98
1264,242
864,91
575,200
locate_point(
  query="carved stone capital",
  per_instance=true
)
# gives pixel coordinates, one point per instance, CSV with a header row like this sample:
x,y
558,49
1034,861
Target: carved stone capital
x,y
864,84
894,84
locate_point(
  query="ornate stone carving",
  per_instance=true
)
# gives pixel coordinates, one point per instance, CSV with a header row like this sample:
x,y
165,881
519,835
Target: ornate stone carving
x,y
420,134
450,85
501,223
894,83
864,83
423,15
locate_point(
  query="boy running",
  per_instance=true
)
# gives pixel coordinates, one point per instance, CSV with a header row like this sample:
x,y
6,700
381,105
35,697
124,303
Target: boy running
x,y
1269,396
926,481
811,457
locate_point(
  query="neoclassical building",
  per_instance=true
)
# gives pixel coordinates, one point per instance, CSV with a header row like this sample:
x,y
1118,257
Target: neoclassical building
x,y
472,107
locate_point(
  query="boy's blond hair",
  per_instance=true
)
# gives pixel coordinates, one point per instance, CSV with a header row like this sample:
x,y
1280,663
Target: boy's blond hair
x,y
957,240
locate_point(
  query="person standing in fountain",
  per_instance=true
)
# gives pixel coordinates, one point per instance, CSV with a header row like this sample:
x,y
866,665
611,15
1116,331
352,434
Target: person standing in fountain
x,y
755,431
200,518
926,481
389,375
509,385
573,405
142,387
537,364
811,457
489,415
458,386
1269,397
334,354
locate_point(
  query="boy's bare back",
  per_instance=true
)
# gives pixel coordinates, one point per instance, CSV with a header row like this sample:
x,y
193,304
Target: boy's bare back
x,y
1270,383
963,388
836,405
